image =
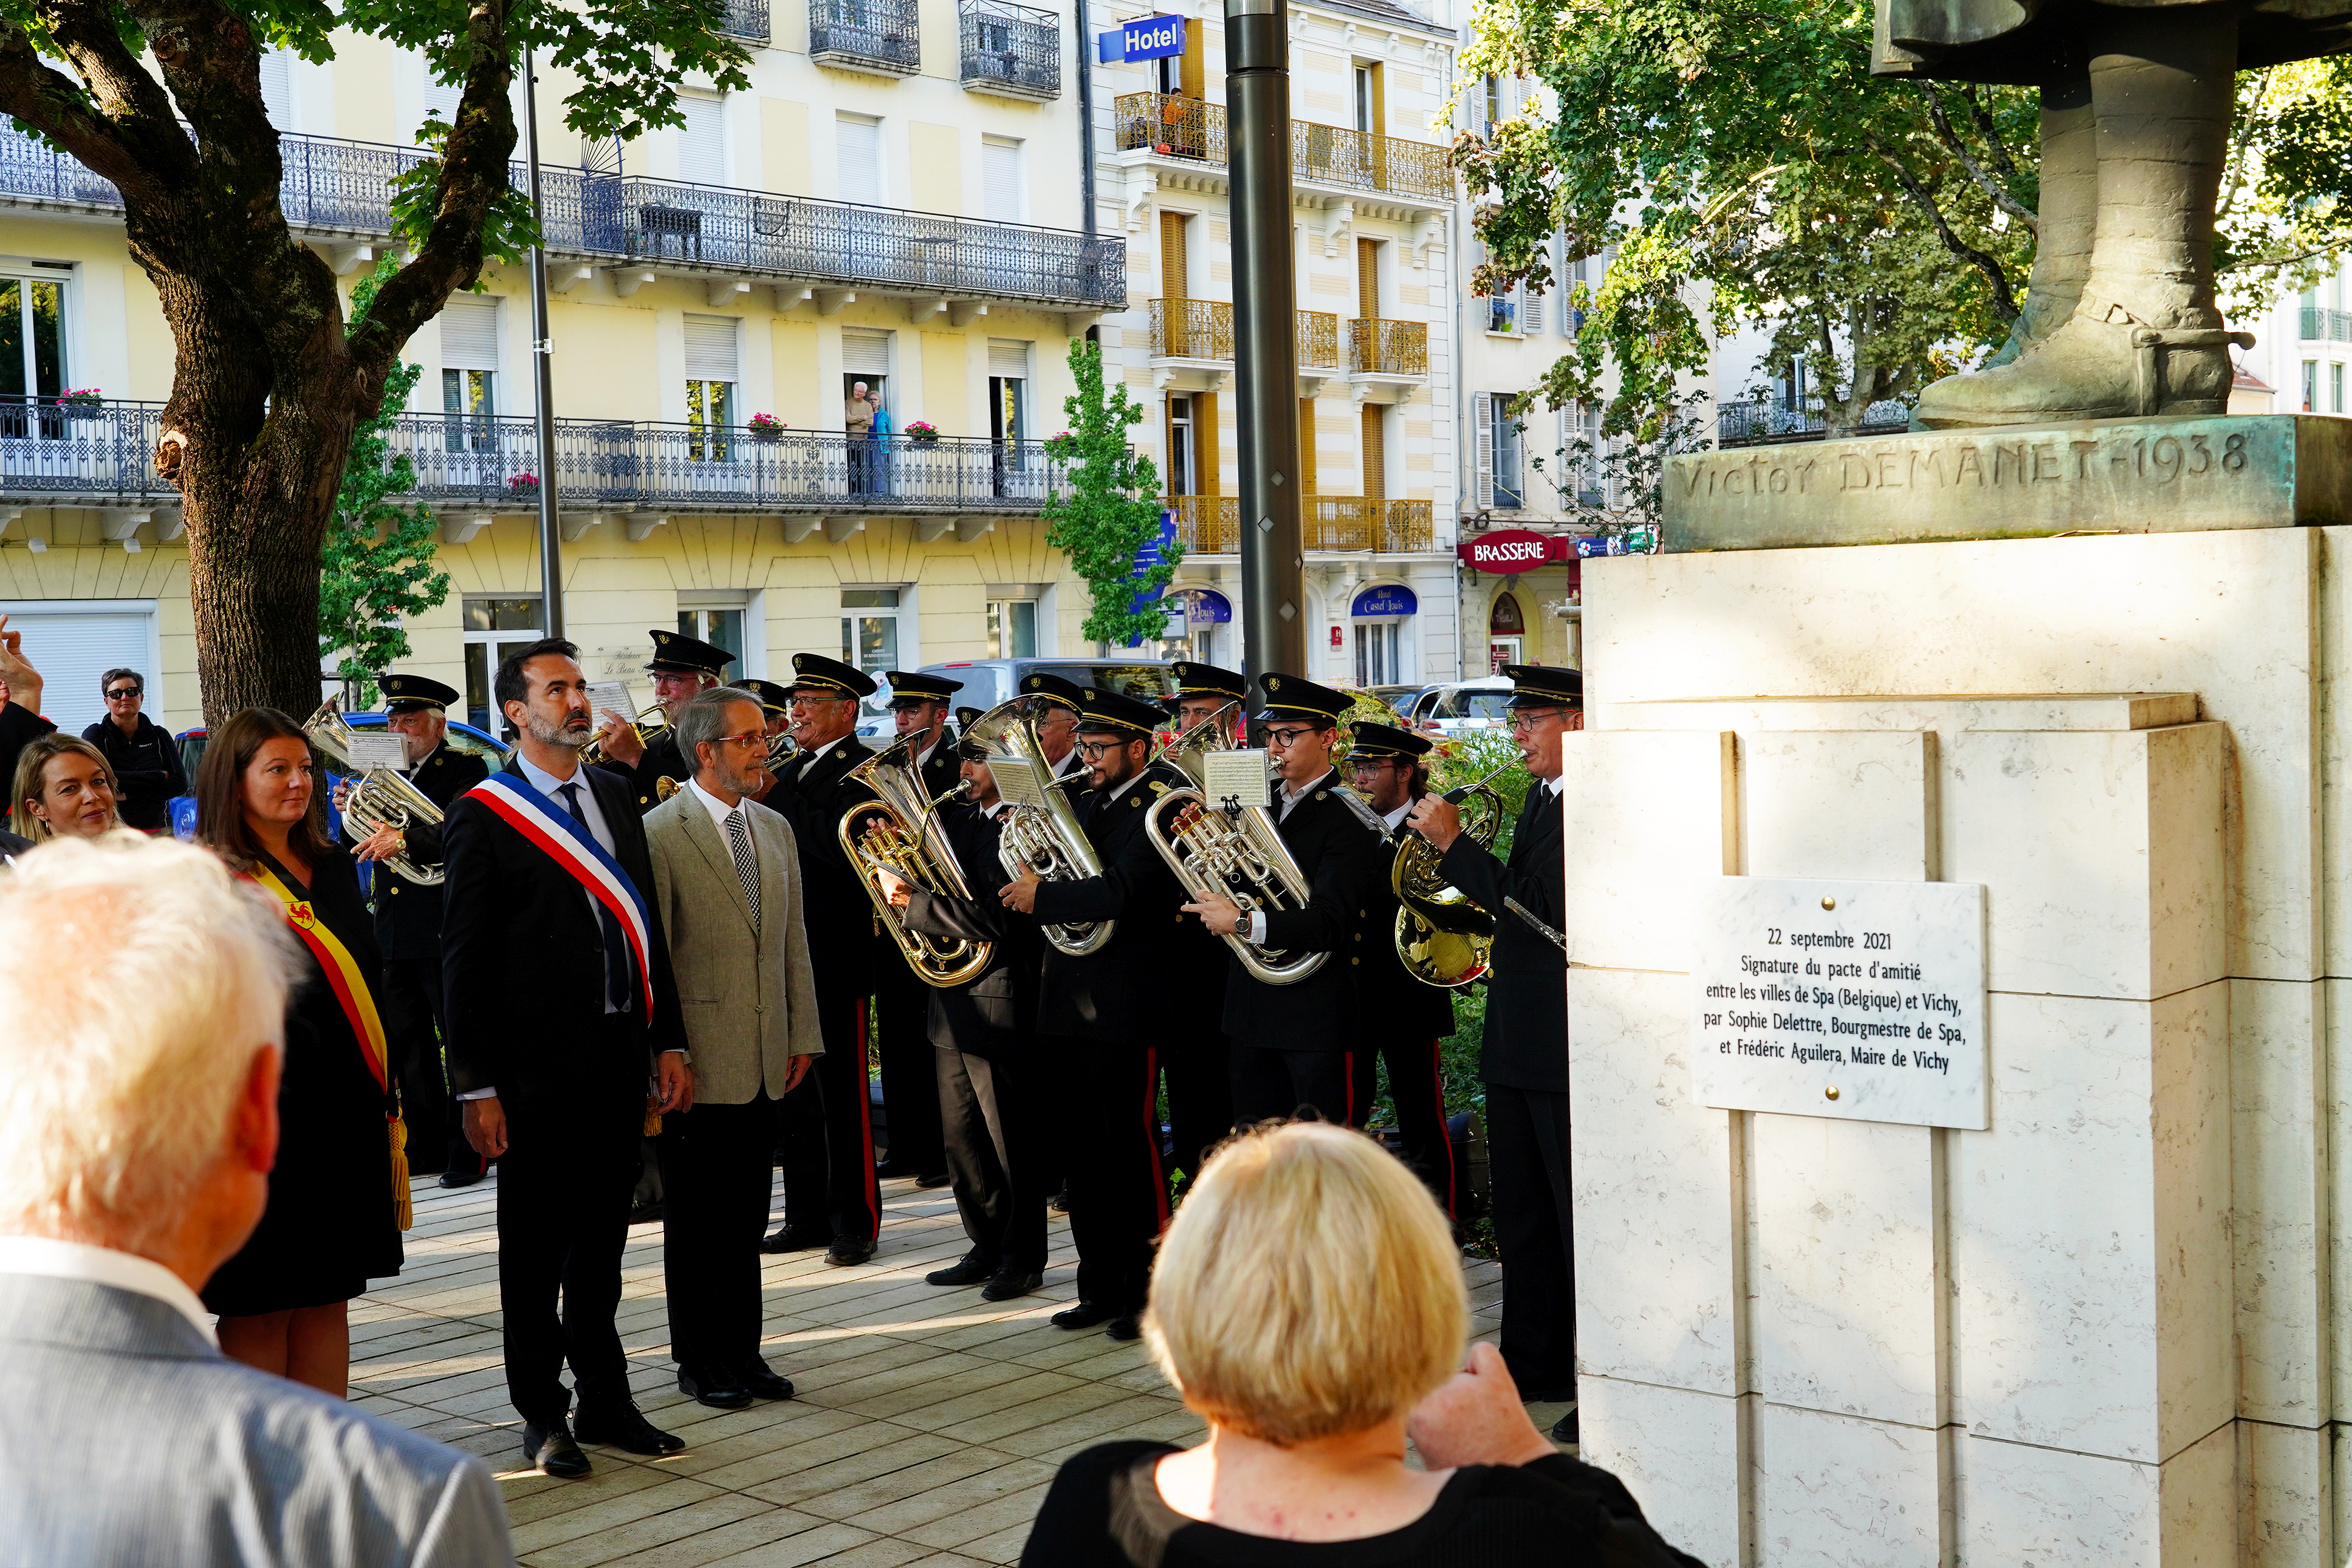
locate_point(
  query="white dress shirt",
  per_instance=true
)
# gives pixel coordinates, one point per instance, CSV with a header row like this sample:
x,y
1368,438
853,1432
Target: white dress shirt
x,y
56,1259
720,810
1284,799
1395,820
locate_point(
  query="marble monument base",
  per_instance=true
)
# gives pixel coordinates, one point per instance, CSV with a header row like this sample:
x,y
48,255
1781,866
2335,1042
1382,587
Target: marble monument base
x,y
2109,1328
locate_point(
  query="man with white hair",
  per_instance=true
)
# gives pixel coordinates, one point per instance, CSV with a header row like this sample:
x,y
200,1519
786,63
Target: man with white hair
x,y
142,1123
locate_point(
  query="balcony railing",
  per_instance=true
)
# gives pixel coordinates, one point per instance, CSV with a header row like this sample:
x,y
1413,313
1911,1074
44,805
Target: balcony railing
x,y
2321,325
480,463
1174,126
1377,348
1318,340
1011,49
884,35
1764,421
746,19
1210,524
345,188
1191,330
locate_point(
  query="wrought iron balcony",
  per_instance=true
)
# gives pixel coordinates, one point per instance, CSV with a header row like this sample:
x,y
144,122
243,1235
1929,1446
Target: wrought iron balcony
x,y
1377,348
1012,50
1210,524
2321,325
1318,340
884,36
1174,126
484,463
344,188
746,19
1191,330
1764,421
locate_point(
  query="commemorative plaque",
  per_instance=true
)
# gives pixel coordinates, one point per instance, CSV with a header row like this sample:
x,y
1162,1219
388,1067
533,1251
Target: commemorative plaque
x,y
1863,1000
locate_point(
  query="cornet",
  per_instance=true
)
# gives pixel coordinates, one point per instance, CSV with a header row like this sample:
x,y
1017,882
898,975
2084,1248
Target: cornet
x,y
379,798
647,726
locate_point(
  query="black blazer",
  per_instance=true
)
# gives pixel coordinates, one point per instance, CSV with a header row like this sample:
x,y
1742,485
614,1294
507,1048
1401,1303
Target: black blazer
x,y
1340,856
994,1015
1526,1044
945,769
1117,992
842,933
522,959
662,760
1388,998
408,914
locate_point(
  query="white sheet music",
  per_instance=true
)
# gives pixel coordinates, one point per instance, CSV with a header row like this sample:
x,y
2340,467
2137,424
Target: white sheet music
x,y
1239,777
386,749
1017,780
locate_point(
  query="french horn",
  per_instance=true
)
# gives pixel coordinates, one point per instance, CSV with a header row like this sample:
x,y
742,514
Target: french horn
x,y
1443,937
379,798
1045,840
899,830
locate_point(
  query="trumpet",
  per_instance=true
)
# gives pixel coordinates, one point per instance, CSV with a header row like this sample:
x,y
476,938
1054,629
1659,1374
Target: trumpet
x,y
1043,841
899,830
1236,855
647,726
782,748
380,799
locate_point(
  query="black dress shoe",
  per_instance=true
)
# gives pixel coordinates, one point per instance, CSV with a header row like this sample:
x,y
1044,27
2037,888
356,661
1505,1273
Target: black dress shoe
x,y
461,1178
1060,1202
551,1447
1085,1316
764,1383
848,1251
1563,1431
1125,1327
645,1214
933,1179
626,1427
972,1270
891,1170
713,1386
796,1239
1009,1281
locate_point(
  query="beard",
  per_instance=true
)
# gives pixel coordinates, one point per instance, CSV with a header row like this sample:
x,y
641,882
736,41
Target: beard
x,y
571,730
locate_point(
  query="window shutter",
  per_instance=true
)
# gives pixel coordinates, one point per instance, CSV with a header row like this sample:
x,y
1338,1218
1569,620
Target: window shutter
x,y
1000,170
1482,425
864,353
860,151
278,86
442,97
1531,311
77,647
469,335
702,140
710,349
1007,357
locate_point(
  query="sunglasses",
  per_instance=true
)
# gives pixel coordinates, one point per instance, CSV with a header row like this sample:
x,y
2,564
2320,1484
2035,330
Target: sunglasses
x,y
124,694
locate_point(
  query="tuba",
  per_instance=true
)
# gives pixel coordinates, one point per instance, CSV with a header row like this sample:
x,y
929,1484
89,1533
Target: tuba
x,y
1043,840
1442,937
1233,851
380,797
899,829
649,726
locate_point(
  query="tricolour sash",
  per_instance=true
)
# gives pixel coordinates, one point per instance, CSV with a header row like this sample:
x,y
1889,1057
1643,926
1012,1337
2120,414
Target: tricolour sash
x,y
352,994
556,830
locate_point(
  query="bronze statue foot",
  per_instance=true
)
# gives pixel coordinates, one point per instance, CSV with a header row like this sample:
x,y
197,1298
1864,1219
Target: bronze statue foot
x,y
2090,369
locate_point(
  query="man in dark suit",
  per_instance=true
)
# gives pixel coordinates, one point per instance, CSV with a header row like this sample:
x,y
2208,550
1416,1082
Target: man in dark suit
x,y
902,1003
1524,1057
1402,1019
1103,1020
1292,1043
408,930
681,666
830,1196
984,1036
1198,1067
558,1018
1054,714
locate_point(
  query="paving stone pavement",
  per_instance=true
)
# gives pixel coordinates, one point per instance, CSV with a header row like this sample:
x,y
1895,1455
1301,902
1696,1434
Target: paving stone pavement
x,y
927,1426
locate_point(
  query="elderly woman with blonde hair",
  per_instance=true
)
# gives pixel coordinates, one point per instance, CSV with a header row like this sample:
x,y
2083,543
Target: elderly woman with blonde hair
x,y
1309,1305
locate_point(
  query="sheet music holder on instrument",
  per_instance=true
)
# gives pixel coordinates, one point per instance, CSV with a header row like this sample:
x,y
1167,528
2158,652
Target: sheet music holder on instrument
x,y
1017,779
1233,779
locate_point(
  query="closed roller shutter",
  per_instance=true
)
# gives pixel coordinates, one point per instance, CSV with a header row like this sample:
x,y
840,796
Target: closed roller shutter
x,y
469,335
702,140
1000,173
1006,357
859,144
73,646
864,353
710,349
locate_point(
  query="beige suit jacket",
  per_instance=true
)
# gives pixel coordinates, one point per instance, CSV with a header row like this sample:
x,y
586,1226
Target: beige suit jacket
x,y
748,1000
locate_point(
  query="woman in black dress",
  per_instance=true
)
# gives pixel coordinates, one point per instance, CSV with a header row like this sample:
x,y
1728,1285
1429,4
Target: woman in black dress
x,y
1309,1305
331,1224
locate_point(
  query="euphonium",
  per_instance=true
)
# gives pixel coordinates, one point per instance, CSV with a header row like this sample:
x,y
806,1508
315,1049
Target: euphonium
x,y
380,797
1237,854
899,829
647,726
1043,841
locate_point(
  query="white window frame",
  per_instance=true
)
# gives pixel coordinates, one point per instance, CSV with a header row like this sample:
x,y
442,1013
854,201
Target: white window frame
x,y
68,278
908,621
469,639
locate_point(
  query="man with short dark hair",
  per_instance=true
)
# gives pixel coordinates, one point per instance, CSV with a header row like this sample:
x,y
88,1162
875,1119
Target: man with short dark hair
x,y
561,1008
145,757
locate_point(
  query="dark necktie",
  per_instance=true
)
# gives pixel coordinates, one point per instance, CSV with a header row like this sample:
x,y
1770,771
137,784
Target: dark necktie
x,y
617,959
747,864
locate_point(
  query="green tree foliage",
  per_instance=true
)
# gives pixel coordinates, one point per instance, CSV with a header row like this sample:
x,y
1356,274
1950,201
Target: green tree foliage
x,y
1110,509
376,560
2285,212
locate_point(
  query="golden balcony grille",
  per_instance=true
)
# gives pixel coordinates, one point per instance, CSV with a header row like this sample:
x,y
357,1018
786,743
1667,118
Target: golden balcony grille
x,y
1210,524
1388,348
1191,330
1318,340
1174,126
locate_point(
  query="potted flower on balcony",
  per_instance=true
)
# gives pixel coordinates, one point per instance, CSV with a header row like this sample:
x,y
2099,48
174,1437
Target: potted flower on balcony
x,y
922,430
82,401
523,487
764,427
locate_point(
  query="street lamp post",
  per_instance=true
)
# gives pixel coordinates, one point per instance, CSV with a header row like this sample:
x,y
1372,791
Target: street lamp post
x,y
1257,106
551,537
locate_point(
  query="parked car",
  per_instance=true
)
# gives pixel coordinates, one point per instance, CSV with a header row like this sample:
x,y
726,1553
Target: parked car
x,y
463,738
988,681
1459,706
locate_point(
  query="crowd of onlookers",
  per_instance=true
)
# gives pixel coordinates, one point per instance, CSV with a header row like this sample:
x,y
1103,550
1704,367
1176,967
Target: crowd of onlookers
x,y
191,1198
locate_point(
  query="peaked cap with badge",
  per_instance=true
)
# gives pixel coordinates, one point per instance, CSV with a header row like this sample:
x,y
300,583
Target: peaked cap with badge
x,y
1295,696
1054,689
1104,712
829,677
1370,740
676,654
414,693
774,698
1545,685
913,688
1207,680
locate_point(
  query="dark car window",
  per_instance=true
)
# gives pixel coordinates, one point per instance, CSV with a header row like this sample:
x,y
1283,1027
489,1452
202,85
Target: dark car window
x,y
1149,681
1463,702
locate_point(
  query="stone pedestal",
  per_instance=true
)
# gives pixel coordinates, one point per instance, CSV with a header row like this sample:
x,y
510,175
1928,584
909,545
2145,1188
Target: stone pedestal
x,y
2106,1329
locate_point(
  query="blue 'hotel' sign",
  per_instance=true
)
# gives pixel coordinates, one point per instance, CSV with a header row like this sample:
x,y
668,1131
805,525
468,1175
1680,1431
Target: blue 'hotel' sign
x,y
1145,38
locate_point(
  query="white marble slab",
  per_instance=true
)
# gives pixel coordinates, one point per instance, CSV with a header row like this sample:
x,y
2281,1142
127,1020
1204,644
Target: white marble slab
x,y
1667,821
1677,1452
2284,1473
2279,1198
1855,803
1845,1493
1854,1000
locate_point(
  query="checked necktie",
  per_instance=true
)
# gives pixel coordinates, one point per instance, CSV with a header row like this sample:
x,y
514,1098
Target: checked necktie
x,y
747,864
617,959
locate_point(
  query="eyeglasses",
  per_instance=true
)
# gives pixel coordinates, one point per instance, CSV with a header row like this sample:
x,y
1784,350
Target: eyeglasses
x,y
123,694
1094,749
1286,739
1372,764
1526,718
812,701
758,737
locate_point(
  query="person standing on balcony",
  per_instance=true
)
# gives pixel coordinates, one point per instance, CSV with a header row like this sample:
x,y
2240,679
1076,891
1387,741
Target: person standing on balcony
x,y
143,753
858,421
